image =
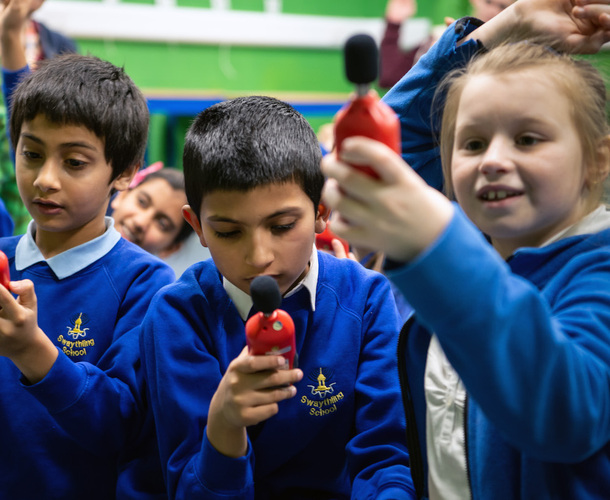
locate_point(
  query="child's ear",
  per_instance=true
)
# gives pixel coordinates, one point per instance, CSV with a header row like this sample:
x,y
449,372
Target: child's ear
x,y
597,173
322,215
604,164
122,182
191,217
117,200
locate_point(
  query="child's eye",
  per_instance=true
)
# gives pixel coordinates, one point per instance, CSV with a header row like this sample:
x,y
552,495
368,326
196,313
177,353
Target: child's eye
x,y
75,164
143,201
527,140
30,155
474,145
165,225
226,234
282,228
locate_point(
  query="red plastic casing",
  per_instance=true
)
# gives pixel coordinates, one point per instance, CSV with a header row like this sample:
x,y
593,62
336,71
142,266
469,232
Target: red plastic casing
x,y
5,276
273,334
368,116
325,238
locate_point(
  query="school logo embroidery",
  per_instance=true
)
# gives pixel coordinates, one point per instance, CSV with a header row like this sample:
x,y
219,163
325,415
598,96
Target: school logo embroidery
x,y
77,321
324,396
76,330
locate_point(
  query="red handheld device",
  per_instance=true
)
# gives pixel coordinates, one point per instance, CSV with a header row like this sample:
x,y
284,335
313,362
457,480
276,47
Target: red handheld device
x,y
325,238
365,115
270,331
5,277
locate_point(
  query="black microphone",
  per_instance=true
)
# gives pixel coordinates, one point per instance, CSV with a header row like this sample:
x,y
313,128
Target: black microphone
x,y
265,294
361,59
365,115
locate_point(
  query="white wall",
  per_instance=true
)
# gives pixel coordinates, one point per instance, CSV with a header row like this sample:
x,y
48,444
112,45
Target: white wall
x,y
165,22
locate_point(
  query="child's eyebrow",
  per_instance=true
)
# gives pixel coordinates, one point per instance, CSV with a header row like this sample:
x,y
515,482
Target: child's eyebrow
x,y
32,137
279,213
77,144
65,145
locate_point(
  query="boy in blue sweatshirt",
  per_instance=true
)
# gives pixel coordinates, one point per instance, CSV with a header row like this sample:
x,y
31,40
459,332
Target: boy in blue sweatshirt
x,y
232,425
72,412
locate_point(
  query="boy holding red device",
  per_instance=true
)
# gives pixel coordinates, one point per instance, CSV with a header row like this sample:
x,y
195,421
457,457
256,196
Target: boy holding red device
x,y
73,419
332,428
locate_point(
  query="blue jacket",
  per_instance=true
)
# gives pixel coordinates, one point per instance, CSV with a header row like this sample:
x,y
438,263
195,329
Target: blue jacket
x,y
63,437
320,441
533,349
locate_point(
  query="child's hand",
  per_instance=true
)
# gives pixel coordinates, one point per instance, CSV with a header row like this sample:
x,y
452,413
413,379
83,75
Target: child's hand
x,y
575,26
397,11
339,250
15,14
398,214
595,10
248,393
13,18
21,340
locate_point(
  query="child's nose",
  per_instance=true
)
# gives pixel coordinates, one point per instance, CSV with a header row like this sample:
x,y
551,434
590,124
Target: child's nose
x,y
143,218
497,159
259,252
48,177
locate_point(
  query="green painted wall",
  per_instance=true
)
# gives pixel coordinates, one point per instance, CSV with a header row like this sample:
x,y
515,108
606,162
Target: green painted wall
x,y
235,70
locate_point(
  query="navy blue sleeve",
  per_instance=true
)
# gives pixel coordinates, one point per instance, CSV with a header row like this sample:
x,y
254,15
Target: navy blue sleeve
x,y
413,99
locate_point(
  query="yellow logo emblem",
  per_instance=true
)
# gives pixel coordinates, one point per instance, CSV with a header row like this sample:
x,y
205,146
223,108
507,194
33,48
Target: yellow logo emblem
x,y
77,322
324,398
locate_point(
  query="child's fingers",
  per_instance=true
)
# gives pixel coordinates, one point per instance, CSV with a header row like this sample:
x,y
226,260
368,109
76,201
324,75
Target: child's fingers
x,y
24,289
6,299
26,298
260,405
338,249
246,363
364,151
593,11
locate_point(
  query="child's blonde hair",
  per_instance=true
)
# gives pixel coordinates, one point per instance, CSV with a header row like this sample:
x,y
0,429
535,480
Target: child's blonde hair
x,y
579,81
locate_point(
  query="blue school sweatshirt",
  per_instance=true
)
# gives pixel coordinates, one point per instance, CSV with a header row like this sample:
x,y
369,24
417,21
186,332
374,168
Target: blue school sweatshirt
x,y
346,422
76,433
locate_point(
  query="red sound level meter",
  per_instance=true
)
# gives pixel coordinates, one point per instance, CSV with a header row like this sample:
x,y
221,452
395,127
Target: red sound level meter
x,y
5,277
270,331
365,115
324,240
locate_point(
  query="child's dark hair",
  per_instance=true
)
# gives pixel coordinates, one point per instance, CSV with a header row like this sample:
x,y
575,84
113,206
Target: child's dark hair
x,y
73,89
175,178
248,142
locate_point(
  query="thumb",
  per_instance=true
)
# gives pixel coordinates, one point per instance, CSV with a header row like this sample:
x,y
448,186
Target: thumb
x,y
25,291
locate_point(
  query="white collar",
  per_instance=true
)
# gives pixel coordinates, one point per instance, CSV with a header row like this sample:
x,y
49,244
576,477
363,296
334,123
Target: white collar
x,y
243,301
594,222
71,261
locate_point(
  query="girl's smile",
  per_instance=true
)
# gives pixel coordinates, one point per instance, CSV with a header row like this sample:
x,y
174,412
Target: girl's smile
x,y
518,172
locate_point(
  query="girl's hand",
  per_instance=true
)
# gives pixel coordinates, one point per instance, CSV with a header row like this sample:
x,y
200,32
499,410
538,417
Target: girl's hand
x,y
248,393
575,26
595,10
398,214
